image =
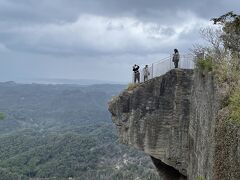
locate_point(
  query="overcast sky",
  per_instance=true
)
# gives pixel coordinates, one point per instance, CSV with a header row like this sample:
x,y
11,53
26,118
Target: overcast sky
x,y
97,39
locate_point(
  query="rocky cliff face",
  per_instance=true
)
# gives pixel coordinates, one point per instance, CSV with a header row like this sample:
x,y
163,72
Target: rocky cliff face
x,y
172,118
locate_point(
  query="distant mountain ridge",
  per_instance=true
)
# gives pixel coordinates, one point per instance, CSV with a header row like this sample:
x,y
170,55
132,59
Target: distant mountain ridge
x,y
64,81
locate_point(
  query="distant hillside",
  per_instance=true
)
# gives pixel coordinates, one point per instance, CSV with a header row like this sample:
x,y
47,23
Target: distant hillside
x,y
64,131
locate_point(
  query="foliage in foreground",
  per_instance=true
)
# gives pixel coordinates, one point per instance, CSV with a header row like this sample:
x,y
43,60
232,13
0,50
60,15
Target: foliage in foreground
x,y
223,58
201,178
2,116
229,67
205,64
132,86
234,105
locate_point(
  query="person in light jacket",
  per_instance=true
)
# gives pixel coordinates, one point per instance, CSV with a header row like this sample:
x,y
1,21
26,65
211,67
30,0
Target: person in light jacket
x,y
146,73
176,58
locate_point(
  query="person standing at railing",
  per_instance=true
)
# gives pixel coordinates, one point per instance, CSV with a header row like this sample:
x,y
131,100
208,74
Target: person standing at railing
x,y
176,58
136,73
146,73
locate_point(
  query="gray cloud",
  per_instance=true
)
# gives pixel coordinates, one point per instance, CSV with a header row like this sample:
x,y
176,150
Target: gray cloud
x,y
65,10
94,35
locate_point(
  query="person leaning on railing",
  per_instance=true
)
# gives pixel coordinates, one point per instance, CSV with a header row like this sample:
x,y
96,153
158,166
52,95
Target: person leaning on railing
x,y
146,73
176,58
136,73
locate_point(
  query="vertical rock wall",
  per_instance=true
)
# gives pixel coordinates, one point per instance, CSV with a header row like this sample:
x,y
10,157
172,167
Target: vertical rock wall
x,y
204,107
155,116
174,119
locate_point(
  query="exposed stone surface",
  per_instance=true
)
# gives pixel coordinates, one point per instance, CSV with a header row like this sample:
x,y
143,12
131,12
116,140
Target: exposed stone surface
x,y
154,117
173,118
204,107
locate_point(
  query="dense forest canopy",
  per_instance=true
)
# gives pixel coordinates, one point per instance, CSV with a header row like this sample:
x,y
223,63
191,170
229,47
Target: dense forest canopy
x,y
64,131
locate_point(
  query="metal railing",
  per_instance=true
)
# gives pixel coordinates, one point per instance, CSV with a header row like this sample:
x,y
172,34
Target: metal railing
x,y
164,65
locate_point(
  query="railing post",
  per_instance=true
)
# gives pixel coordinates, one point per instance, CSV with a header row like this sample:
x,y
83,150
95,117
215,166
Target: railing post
x,y
152,70
166,64
132,78
170,63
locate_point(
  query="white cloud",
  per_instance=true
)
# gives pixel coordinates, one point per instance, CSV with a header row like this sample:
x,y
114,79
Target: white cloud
x,y
98,34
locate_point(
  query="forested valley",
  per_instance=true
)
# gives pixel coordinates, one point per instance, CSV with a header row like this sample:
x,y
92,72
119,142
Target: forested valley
x,y
64,132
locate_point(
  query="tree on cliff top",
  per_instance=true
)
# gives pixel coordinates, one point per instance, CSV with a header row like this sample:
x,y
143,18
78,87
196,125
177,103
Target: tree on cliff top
x,y
231,31
222,51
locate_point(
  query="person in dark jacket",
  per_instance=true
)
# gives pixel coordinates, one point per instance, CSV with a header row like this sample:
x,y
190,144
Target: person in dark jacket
x,y
136,73
176,58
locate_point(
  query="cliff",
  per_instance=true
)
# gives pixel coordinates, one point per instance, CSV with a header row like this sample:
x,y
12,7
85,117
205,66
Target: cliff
x,y
173,118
